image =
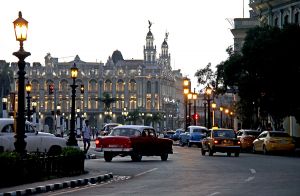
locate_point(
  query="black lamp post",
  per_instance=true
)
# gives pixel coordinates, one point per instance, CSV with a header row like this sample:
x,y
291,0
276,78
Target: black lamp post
x,y
20,26
195,112
28,90
72,139
221,113
186,90
208,92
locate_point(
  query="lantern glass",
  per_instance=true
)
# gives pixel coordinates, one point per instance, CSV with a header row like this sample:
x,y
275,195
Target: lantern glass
x,y
213,105
20,26
190,96
194,96
186,82
28,87
74,71
208,90
221,109
186,91
58,107
4,100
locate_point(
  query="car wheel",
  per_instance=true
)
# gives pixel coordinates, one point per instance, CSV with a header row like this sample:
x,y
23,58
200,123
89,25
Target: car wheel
x,y
108,156
253,149
164,157
236,154
54,150
265,151
228,154
181,143
203,152
210,152
136,157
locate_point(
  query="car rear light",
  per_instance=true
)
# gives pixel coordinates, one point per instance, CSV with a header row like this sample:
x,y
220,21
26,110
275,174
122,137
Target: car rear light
x,y
97,141
239,142
216,141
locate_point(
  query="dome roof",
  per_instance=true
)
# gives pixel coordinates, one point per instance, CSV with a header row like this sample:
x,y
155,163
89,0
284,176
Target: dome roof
x,y
149,34
164,43
117,56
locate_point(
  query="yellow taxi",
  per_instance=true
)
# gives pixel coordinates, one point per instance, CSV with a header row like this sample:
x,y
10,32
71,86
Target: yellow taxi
x,y
221,140
271,141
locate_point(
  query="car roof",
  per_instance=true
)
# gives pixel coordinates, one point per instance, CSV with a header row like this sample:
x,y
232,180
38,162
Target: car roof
x,y
221,129
138,127
194,126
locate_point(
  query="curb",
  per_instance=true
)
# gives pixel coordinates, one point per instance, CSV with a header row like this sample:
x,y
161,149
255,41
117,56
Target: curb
x,y
57,186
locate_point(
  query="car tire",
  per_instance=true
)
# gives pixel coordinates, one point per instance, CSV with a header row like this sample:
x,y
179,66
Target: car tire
x,y
108,156
253,149
265,151
164,156
228,154
54,150
136,157
236,154
210,152
203,152
181,143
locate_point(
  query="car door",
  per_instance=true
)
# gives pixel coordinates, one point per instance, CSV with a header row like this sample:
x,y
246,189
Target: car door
x,y
260,142
33,140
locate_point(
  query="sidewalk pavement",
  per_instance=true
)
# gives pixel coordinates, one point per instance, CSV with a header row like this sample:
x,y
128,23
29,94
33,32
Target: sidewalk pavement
x,y
91,177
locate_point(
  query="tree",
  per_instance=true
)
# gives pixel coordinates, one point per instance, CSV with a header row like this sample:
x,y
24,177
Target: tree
x,y
107,100
267,73
133,116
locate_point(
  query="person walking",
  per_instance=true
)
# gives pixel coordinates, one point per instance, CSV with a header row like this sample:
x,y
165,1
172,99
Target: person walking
x,y
86,135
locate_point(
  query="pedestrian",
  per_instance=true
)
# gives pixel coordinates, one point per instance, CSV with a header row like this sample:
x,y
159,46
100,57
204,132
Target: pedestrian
x,y
86,135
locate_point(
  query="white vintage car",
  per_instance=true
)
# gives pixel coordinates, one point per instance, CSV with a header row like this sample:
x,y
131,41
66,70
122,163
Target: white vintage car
x,y
35,141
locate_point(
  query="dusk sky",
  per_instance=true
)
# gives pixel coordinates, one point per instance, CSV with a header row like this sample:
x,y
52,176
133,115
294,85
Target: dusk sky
x,y
199,31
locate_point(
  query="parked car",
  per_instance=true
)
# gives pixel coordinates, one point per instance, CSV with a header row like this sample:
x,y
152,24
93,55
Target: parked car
x,y
135,141
177,134
221,140
193,135
35,141
246,137
169,134
271,141
107,128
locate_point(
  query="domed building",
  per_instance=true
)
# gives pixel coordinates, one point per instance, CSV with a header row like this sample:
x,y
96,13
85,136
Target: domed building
x,y
143,91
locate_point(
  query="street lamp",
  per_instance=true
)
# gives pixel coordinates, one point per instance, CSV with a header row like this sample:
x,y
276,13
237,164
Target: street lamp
x,y
34,104
4,107
28,88
78,123
208,92
72,139
221,113
190,96
186,90
58,126
226,112
20,27
195,112
213,105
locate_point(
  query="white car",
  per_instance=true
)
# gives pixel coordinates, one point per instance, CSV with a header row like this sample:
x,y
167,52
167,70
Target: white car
x,y
35,141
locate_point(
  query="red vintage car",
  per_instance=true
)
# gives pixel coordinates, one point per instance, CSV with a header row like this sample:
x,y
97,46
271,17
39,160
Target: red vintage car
x,y
135,141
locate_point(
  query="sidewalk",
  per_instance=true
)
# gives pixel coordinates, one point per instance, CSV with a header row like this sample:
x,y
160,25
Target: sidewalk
x,y
91,177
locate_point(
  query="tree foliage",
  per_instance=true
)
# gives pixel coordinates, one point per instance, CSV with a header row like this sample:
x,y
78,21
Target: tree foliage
x,y
267,73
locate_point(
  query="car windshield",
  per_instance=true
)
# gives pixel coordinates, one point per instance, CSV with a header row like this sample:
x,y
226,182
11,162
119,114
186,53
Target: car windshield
x,y
279,134
254,133
224,133
199,130
125,132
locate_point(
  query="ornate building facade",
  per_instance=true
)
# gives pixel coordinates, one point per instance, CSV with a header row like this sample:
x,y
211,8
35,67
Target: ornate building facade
x,y
148,86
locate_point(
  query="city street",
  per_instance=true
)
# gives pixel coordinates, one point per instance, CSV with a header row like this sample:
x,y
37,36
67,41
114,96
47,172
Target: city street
x,y
187,172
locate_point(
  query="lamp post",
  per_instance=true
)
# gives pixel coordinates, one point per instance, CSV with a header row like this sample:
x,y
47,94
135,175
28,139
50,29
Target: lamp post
x,y
186,90
34,104
221,113
208,91
28,90
20,27
213,105
78,123
58,125
226,112
190,96
72,139
4,107
195,112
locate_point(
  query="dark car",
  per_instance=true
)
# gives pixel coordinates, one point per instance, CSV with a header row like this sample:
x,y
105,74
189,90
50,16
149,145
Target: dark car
x,y
169,134
177,134
135,141
246,137
221,140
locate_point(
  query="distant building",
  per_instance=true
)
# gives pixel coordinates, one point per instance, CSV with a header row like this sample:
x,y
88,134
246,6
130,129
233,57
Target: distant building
x,y
148,85
273,13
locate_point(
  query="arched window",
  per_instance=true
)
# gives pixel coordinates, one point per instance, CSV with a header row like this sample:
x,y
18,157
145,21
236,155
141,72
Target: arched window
x,y
296,17
120,85
149,87
132,85
108,86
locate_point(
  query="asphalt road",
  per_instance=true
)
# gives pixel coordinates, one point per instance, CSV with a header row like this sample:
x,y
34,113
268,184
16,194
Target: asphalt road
x,y
187,172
